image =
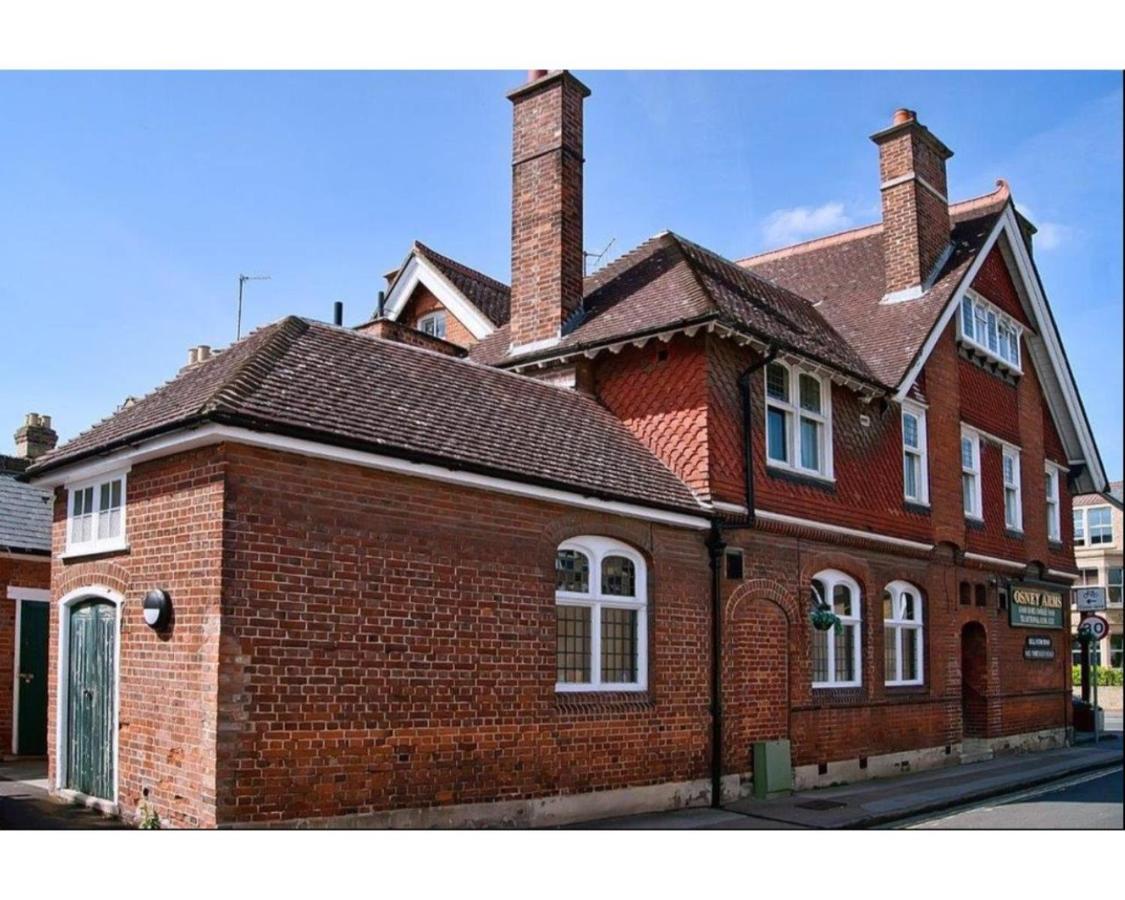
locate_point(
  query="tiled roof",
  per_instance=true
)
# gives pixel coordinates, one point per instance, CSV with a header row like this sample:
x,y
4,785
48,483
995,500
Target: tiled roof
x,y
336,386
1114,496
490,296
669,281
25,516
843,275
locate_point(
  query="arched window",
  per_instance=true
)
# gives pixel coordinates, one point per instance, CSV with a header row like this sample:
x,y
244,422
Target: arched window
x,y
798,420
836,652
902,633
600,624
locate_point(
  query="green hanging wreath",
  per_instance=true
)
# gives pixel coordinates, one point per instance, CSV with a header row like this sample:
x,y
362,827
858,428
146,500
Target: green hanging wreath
x,y
823,619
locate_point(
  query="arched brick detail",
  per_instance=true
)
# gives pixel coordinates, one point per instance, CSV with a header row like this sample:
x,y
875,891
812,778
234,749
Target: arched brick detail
x,y
637,534
103,572
761,589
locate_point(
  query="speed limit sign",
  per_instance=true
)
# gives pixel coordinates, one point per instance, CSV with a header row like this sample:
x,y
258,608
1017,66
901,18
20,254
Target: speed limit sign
x,y
1095,626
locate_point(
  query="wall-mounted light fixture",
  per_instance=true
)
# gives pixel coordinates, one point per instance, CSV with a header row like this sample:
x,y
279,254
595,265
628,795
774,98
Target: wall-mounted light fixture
x,y
157,609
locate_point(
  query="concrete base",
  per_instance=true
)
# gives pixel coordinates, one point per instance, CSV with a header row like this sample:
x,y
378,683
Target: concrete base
x,y
885,765
1028,742
540,812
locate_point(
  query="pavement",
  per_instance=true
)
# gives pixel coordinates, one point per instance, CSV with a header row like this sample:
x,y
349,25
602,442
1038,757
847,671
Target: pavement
x,y
25,803
869,804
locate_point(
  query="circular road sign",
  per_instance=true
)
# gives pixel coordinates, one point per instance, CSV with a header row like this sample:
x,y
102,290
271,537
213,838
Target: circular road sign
x,y
1097,626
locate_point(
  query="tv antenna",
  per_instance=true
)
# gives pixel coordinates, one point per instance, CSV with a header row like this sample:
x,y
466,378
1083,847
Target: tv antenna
x,y
596,257
242,279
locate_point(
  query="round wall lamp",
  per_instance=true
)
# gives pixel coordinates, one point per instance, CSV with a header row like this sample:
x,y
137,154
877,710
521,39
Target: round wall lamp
x,y
157,609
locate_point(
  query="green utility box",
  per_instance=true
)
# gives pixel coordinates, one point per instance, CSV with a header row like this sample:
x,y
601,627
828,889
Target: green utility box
x,y
773,769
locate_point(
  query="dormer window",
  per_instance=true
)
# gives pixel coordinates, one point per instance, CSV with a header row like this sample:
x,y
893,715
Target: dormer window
x,y
433,324
988,330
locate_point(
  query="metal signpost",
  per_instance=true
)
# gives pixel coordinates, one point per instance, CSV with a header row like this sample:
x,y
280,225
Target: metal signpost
x,y
1092,629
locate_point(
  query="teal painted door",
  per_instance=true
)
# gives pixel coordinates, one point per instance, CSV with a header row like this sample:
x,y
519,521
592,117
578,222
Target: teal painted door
x,y
90,699
31,728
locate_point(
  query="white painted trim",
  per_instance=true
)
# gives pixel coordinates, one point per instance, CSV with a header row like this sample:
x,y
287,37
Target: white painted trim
x,y
21,596
532,346
735,508
977,471
913,176
896,589
1068,576
840,529
994,560
419,270
95,544
44,557
918,410
207,435
1047,333
795,412
62,683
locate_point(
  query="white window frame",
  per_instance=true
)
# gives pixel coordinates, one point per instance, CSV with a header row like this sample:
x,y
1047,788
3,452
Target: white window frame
x,y
831,578
1011,452
437,316
596,549
1054,521
997,325
1079,516
920,452
898,623
1087,530
96,544
794,412
977,512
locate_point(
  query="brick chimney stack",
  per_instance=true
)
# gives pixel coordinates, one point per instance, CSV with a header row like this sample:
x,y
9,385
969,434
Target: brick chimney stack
x,y
35,437
916,226
546,204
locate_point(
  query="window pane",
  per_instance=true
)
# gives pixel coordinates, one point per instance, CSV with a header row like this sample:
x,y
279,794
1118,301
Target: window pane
x,y
888,605
992,331
967,453
618,577
619,645
909,607
842,601
572,572
845,662
980,324
910,475
1078,527
890,656
910,430
820,655
909,654
1049,484
810,393
1113,579
115,493
1099,524
103,500
967,316
1011,518
778,437
572,652
777,382
968,494
1009,470
810,444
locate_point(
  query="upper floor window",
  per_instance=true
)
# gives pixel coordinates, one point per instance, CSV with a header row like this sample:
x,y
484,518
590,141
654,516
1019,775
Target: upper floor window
x,y
600,616
1093,525
798,420
1113,585
433,324
836,652
902,634
1051,482
970,473
915,475
1013,501
96,515
994,333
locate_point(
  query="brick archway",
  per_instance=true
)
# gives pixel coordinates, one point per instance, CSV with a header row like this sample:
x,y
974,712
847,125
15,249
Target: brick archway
x,y
757,625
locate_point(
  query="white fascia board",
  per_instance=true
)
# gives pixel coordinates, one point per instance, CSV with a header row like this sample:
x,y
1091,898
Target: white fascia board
x,y
417,271
1046,329
206,435
995,560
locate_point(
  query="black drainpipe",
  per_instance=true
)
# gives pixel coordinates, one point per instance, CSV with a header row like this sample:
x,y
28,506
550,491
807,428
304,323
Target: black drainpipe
x,y
747,426
716,548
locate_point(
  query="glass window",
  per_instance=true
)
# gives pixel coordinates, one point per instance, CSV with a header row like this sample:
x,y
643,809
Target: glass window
x,y
990,330
1113,584
836,652
97,516
1051,481
970,474
1013,506
1079,528
902,634
797,434
914,463
967,316
1099,525
433,324
600,604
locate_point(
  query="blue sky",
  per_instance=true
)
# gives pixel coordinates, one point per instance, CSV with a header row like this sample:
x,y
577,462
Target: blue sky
x,y
132,200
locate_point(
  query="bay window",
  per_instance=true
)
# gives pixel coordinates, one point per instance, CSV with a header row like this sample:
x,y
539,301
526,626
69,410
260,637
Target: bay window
x,y
600,616
988,329
798,420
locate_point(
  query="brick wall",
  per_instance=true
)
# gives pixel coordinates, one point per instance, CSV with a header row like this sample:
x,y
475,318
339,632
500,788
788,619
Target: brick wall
x,y
421,302
168,681
13,573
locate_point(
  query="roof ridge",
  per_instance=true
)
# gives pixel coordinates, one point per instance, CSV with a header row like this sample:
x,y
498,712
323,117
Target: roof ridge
x,y
852,234
249,373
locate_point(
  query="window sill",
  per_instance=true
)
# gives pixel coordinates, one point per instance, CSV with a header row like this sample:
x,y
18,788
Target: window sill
x,y
905,686
836,685
571,689
974,523
916,506
800,476
1016,534
98,550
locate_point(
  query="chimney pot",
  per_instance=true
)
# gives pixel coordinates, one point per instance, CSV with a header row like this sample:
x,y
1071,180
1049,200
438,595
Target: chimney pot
x,y
903,115
535,74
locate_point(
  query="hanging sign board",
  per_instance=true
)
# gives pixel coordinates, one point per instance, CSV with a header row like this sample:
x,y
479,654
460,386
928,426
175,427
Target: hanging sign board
x,y
1038,646
1089,599
1035,607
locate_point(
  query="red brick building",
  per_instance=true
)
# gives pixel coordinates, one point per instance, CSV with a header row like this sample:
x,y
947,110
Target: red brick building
x,y
531,554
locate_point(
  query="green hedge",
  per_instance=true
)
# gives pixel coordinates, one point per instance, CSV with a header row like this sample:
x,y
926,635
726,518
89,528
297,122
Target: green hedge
x,y
1106,677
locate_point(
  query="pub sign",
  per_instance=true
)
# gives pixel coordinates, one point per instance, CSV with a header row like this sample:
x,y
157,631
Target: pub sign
x,y
1033,606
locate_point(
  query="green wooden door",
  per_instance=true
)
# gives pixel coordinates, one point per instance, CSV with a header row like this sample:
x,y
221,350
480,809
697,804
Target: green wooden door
x,y
90,699
31,727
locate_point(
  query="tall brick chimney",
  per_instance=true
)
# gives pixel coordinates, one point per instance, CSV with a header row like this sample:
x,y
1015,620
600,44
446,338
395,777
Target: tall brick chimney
x,y
916,223
546,204
35,436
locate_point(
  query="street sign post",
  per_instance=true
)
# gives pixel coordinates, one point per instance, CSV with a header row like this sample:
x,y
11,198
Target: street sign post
x,y
1089,599
1093,629
1096,626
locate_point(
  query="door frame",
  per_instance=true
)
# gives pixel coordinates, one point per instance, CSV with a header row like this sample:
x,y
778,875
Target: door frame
x,y
21,595
66,604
